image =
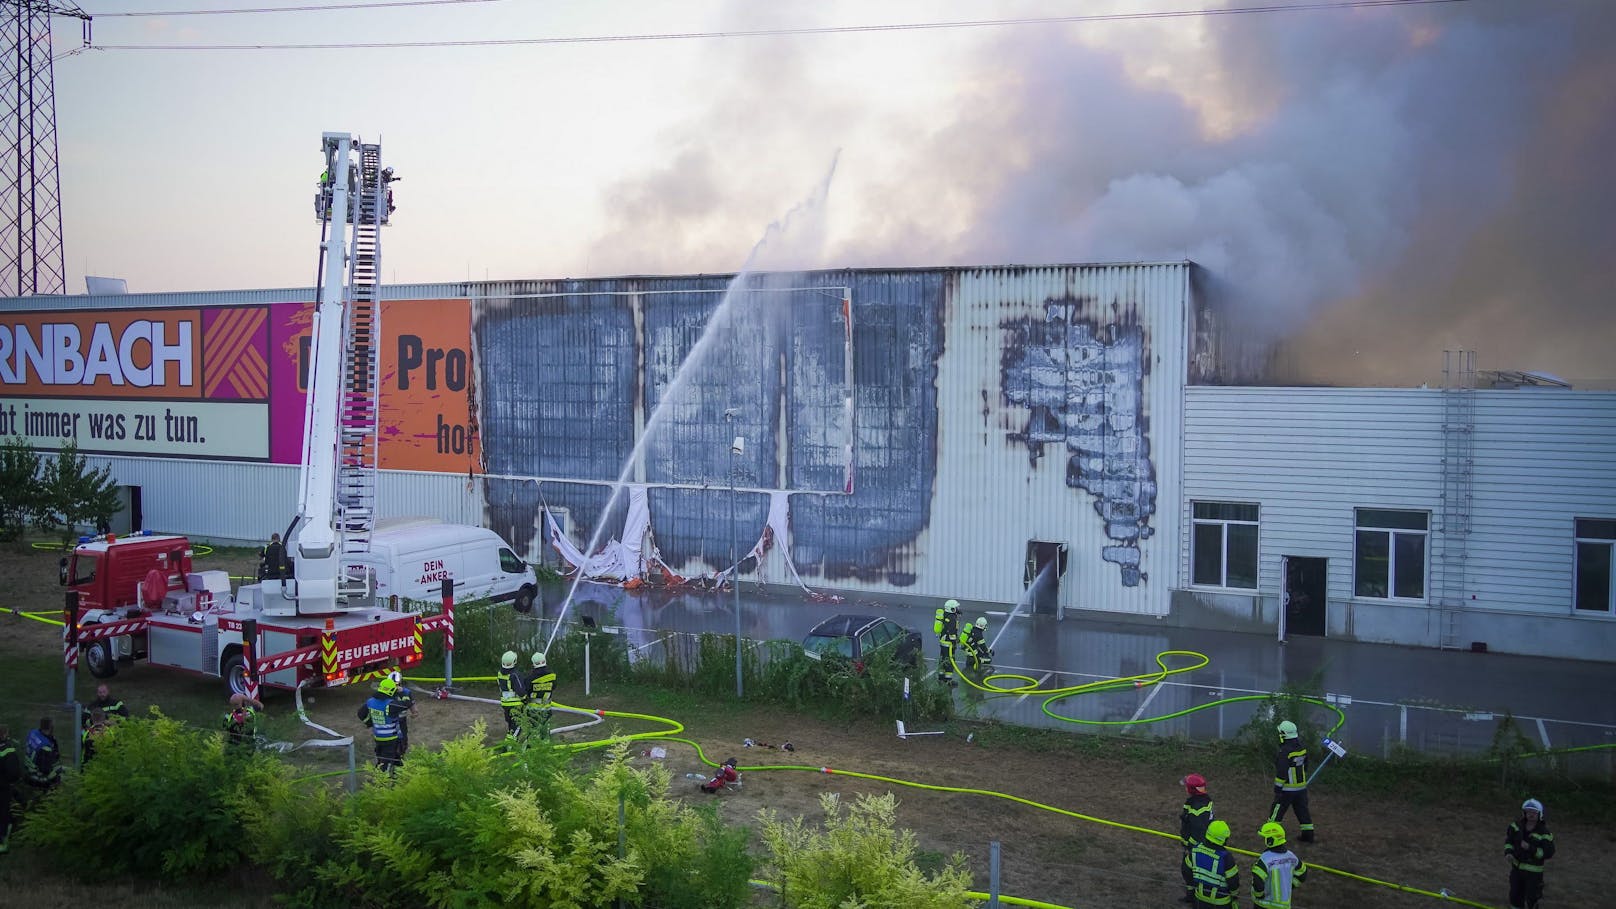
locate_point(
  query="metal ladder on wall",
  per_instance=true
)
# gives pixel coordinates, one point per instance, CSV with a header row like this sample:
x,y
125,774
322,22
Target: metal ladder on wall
x,y
359,412
1452,539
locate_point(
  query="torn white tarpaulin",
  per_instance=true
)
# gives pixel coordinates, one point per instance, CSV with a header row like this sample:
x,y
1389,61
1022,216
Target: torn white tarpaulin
x,y
618,559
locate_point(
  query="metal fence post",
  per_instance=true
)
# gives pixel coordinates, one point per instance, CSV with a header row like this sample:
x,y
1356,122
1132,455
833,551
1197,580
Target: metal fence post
x,y
587,636
993,874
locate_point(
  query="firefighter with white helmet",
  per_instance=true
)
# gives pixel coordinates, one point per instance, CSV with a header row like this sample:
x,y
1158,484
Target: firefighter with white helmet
x,y
1290,780
536,702
406,700
1527,844
946,627
1209,870
1276,872
512,690
975,641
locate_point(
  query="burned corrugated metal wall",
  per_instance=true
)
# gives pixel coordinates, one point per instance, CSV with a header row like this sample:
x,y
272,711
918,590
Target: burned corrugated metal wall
x,y
856,393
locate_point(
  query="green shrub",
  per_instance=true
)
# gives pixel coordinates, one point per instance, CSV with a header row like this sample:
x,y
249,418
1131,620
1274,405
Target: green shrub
x,y
858,859
467,827
160,800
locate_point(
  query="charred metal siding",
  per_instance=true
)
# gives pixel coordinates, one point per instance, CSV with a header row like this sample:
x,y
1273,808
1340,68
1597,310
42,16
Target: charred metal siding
x,y
1060,405
1311,456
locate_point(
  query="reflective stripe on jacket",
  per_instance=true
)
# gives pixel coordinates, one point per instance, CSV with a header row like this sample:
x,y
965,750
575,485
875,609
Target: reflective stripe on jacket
x,y
1213,874
381,715
1290,766
510,687
1274,876
1529,850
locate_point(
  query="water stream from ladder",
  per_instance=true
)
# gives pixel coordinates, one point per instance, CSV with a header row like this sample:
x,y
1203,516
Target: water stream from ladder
x,y
797,236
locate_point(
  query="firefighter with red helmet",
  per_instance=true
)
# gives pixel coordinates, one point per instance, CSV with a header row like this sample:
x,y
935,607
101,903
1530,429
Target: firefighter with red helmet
x,y
1193,819
241,723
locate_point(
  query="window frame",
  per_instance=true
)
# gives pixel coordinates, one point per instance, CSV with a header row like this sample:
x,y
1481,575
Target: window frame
x,y
1391,553
1578,540
1223,524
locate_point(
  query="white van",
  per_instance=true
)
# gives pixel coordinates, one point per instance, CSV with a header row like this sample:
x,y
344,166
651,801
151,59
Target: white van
x,y
411,560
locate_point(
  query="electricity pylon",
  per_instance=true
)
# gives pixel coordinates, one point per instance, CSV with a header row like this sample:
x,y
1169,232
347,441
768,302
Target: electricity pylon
x,y
30,185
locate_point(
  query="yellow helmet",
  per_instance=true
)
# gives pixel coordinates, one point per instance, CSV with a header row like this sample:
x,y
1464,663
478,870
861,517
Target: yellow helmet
x,y
1273,834
508,660
387,687
1217,833
538,660
1287,730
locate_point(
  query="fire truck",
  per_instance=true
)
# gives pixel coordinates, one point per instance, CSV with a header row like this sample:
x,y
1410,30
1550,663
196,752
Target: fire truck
x,y
320,623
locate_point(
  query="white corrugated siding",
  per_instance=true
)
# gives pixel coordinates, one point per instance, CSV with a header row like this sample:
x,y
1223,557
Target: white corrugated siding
x,y
236,502
1310,456
989,502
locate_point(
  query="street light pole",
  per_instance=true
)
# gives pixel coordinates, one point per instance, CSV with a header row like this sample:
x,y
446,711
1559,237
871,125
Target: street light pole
x,y
735,448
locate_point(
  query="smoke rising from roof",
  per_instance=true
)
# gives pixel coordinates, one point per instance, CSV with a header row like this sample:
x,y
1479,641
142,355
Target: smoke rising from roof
x,y
1368,186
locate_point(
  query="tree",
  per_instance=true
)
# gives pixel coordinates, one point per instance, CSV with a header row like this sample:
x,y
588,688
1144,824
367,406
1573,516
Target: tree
x,y
71,494
19,488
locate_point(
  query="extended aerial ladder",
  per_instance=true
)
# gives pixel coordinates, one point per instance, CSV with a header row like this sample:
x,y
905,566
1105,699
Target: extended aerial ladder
x,y
337,483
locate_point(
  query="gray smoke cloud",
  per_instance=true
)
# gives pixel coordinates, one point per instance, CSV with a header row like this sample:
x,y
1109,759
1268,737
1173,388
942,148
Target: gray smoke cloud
x,y
1397,181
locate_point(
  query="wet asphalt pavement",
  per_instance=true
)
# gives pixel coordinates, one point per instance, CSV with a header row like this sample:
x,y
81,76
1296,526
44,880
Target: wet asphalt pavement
x,y
1429,700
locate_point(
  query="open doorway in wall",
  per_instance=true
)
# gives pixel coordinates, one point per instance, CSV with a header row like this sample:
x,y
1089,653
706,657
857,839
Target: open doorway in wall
x,y
1305,592
1046,563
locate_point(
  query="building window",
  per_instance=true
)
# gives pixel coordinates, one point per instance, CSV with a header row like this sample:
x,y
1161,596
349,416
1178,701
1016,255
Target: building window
x,y
1225,545
1389,561
1596,550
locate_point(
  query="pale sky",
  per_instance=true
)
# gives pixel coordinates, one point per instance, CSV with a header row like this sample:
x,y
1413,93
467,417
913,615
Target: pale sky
x,y
1411,178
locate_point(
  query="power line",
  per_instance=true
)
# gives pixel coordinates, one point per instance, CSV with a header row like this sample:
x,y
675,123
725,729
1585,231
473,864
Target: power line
x,y
785,32
318,8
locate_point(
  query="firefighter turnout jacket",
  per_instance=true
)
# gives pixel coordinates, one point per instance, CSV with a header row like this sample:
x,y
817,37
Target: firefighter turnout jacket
x,y
1290,766
540,686
382,713
512,688
1274,877
1193,819
1528,850
1211,874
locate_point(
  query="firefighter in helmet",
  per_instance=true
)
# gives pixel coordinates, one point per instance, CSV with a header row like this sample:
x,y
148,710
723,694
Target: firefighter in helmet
x,y
1275,873
383,713
1290,780
536,703
241,722
1527,845
946,627
512,688
1209,870
1193,819
406,699
975,641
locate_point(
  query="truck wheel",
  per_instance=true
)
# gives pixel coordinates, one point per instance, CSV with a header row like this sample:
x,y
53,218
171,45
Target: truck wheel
x,y
98,657
234,672
524,600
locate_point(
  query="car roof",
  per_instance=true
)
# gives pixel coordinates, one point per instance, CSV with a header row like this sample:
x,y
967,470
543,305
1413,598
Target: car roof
x,y
844,625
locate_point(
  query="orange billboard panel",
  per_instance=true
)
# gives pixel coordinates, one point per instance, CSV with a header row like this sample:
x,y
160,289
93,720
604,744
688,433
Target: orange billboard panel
x,y
428,409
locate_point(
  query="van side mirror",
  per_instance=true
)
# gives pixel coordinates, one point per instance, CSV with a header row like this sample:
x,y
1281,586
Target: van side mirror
x,y
61,570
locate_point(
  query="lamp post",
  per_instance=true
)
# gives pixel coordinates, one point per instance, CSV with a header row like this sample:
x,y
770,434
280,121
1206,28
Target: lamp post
x,y
738,446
